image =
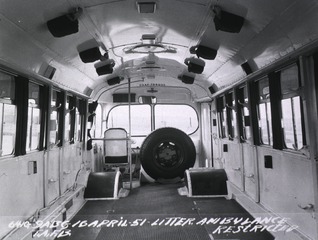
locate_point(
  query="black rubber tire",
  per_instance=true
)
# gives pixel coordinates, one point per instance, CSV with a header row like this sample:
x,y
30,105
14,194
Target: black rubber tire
x,y
167,153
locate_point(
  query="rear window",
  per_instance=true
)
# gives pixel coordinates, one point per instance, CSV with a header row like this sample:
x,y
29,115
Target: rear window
x,y
140,119
182,117
144,119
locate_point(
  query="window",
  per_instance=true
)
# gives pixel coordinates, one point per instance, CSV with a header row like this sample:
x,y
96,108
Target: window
x,y
182,117
34,117
98,121
264,112
231,115
291,108
56,120
244,114
69,124
118,117
79,119
7,114
67,121
222,122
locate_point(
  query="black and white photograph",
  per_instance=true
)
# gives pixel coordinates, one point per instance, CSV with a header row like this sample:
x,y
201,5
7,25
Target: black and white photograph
x,y
158,119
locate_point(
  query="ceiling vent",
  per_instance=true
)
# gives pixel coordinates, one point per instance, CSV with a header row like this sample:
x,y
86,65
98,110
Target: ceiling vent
x,y
146,7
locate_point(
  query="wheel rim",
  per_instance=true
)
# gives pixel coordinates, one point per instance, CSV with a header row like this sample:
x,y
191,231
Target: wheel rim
x,y
168,155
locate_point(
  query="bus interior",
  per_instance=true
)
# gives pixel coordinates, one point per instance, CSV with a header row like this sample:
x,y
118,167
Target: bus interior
x,y
158,119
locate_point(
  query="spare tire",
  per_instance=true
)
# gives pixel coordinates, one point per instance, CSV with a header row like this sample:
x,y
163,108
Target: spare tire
x,y
167,153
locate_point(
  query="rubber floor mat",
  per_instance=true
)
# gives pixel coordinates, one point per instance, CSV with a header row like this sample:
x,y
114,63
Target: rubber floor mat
x,y
228,220
155,227
157,212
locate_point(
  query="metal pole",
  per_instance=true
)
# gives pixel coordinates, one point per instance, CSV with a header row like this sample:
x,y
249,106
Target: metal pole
x,y
129,135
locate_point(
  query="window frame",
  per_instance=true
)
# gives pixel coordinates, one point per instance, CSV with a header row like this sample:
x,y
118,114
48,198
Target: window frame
x,y
59,108
230,104
243,120
41,119
222,117
291,94
268,110
126,105
70,108
11,102
179,104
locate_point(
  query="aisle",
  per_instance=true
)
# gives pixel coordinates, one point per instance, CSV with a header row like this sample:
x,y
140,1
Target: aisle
x,y
156,211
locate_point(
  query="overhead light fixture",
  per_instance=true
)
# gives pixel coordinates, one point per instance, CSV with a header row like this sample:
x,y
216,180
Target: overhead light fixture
x,y
66,24
90,55
148,38
49,72
105,67
204,52
114,80
246,68
146,7
227,22
187,78
213,88
195,65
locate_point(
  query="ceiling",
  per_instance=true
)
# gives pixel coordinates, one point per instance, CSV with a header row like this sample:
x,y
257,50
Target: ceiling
x,y
271,30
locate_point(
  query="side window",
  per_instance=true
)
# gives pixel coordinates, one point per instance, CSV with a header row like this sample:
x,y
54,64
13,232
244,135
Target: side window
x,y
292,108
221,114
34,118
231,115
8,114
56,118
244,114
79,119
70,111
264,112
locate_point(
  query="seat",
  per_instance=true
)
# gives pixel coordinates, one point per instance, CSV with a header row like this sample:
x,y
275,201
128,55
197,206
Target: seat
x,y
116,148
109,183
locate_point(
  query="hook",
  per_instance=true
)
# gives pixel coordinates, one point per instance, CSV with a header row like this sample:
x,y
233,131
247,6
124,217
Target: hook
x,y
230,137
243,104
55,144
231,107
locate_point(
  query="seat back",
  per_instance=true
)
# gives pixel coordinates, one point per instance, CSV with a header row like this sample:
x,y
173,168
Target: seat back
x,y
116,146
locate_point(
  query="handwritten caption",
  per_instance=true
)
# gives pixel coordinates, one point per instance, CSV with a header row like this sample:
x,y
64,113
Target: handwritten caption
x,y
231,225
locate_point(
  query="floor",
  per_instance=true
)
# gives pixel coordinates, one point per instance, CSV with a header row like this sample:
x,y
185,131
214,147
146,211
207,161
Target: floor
x,y
157,211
